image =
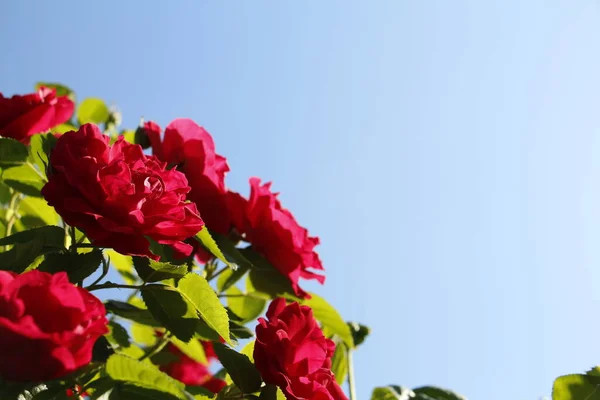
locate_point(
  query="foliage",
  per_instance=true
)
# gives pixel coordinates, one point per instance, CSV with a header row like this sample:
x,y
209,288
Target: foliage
x,y
182,300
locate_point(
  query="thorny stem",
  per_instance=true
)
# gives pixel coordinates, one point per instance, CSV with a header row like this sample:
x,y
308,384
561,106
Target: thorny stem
x,y
111,285
105,266
221,295
85,246
351,384
164,340
12,208
219,272
73,247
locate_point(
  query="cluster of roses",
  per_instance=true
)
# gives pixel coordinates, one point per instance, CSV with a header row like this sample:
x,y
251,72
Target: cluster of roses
x,y
120,198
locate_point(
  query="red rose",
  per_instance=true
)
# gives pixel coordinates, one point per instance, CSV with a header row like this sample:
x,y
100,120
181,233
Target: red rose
x,y
47,326
192,149
24,116
292,353
118,196
191,372
273,231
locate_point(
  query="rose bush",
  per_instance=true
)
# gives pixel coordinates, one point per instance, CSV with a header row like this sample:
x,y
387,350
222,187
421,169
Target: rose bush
x,y
47,326
107,212
23,116
119,196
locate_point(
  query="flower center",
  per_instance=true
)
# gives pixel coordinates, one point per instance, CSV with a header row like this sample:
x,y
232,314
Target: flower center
x,y
153,184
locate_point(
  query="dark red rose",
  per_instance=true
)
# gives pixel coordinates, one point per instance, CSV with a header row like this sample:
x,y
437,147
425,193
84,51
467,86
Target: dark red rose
x,y
193,373
117,195
47,326
192,149
24,116
291,352
273,231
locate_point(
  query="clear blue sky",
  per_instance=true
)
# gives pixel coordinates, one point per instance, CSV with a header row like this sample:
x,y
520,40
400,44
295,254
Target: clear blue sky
x,y
446,152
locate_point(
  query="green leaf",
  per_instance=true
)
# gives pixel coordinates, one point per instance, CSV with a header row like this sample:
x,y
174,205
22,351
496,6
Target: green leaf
x,y
131,312
576,387
143,334
28,245
271,392
265,278
102,350
241,370
26,179
92,110
205,332
52,237
118,335
246,306
392,392
209,243
12,152
197,290
123,265
330,318
5,194
248,350
239,331
437,393
359,332
193,349
141,137
29,188
172,309
164,357
339,363
111,390
230,277
63,128
135,352
230,251
128,135
40,208
230,392
77,265
61,90
154,271
123,368
39,152
199,393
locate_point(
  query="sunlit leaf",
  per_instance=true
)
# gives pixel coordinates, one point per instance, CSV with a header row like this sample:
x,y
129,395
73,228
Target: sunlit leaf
x,y
125,369
339,363
246,306
202,296
154,271
330,318
209,243
92,110
576,387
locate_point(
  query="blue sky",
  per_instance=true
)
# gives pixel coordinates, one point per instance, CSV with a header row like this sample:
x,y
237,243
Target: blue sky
x,y
446,152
